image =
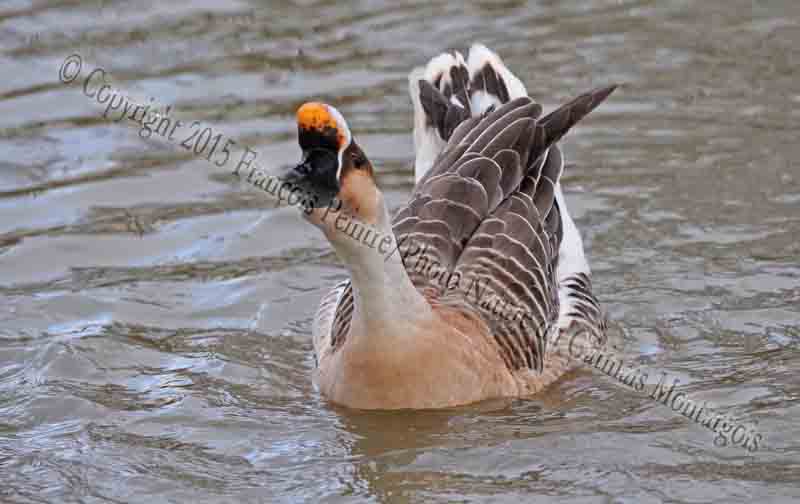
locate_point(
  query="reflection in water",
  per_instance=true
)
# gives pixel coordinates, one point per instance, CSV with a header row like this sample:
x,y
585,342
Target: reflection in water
x,y
155,312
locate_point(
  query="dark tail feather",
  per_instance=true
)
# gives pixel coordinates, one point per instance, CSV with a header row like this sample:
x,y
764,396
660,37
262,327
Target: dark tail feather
x,y
441,112
552,128
557,123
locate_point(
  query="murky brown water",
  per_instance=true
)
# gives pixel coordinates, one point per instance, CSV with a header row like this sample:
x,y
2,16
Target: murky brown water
x,y
155,313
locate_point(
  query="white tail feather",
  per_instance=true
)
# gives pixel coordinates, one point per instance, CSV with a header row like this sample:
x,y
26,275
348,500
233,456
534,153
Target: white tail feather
x,y
428,142
479,56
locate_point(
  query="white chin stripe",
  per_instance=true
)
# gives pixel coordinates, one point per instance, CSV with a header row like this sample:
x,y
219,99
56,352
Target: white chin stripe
x,y
341,125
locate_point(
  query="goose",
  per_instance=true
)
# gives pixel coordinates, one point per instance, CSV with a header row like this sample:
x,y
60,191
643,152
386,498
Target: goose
x,y
467,292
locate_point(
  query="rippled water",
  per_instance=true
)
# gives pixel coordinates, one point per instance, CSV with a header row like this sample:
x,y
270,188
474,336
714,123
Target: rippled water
x,y
155,312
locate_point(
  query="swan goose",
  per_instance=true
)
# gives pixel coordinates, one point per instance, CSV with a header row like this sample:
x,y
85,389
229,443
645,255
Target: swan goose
x,y
490,215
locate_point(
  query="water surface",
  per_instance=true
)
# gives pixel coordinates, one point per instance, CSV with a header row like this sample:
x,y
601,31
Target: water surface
x,y
155,312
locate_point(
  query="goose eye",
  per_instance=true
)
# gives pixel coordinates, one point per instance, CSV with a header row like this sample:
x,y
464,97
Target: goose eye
x,y
358,159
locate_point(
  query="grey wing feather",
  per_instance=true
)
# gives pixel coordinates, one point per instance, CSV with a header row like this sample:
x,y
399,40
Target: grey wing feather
x,y
486,210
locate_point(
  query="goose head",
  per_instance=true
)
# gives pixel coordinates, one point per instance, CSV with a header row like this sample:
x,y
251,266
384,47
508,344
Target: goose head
x,y
334,170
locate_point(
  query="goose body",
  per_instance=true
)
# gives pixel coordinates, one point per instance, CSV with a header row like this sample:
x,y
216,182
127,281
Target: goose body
x,y
483,273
